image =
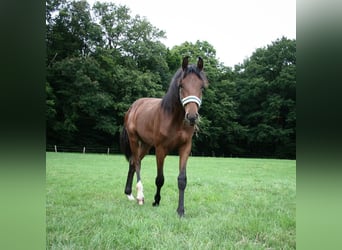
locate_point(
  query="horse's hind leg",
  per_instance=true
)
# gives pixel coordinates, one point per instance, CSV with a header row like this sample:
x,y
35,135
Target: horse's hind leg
x,y
128,188
143,149
134,164
139,186
139,150
160,155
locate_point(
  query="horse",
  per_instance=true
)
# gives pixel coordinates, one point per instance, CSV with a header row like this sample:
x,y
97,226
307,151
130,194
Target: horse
x,y
166,124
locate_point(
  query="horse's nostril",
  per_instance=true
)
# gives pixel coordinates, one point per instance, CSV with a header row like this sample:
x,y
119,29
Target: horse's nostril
x,y
191,118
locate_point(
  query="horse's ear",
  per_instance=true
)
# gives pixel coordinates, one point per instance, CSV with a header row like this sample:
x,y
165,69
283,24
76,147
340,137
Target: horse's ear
x,y
200,63
185,63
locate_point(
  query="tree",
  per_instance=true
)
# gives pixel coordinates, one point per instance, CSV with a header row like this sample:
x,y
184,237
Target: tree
x,y
71,32
90,86
114,21
266,83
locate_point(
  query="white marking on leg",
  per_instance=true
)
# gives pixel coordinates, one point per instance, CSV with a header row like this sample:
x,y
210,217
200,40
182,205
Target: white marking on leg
x,y
131,197
140,193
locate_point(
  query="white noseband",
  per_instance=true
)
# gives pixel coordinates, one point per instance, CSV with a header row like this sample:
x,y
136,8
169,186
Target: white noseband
x,y
191,98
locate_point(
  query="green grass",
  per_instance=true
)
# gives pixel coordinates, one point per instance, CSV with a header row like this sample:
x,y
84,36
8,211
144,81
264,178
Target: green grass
x,y
230,203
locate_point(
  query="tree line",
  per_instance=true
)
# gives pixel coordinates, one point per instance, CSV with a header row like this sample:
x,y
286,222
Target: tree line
x,y
100,59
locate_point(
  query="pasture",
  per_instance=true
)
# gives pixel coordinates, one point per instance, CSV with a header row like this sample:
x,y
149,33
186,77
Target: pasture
x,y
230,203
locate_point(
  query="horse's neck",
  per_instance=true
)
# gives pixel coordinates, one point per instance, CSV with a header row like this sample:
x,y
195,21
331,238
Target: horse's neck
x,y
178,114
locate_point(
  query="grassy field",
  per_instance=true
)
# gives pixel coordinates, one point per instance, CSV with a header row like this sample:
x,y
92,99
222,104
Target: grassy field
x,y
230,203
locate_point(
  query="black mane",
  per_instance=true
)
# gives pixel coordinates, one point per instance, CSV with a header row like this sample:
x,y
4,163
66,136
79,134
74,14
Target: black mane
x,y
171,99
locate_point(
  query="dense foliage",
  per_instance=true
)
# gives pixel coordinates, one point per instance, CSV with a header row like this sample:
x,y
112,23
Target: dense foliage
x,y
100,59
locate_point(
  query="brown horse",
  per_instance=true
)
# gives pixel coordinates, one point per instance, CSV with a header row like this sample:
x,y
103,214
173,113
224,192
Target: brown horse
x,y
166,124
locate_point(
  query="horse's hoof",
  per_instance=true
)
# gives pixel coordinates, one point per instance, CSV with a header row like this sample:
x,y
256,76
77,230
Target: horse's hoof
x,y
141,201
131,197
180,212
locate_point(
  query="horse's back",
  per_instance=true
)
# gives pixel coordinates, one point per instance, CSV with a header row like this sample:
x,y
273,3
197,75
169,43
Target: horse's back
x,y
144,107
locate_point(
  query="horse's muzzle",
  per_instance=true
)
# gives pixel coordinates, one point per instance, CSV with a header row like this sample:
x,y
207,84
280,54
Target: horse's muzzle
x,y
192,119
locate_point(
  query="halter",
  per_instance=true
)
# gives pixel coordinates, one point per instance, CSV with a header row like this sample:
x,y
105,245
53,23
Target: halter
x,y
191,98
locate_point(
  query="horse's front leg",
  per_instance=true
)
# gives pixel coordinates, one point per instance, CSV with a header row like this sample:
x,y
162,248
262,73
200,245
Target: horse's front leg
x,y
182,180
160,156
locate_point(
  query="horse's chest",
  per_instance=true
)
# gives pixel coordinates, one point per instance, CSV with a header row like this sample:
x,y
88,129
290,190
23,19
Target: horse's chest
x,y
184,136
173,138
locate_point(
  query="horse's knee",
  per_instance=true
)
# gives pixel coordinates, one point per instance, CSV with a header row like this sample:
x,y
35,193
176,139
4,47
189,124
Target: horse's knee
x,y
181,182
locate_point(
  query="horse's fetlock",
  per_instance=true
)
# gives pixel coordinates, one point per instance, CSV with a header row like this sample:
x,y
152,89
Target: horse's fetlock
x,y
128,191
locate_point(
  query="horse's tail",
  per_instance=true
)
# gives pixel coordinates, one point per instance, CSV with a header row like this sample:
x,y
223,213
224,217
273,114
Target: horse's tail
x,y
124,144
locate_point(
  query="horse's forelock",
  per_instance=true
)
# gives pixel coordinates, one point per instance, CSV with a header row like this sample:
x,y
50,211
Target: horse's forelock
x,y
193,69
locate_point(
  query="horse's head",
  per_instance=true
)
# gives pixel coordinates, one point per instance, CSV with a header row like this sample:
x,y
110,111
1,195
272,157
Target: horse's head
x,y
191,86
